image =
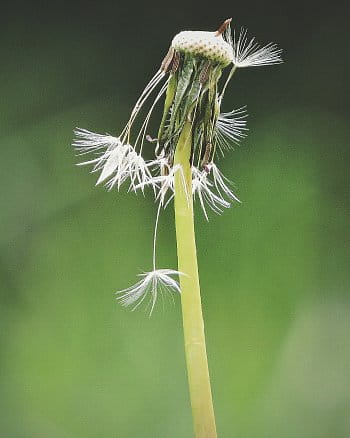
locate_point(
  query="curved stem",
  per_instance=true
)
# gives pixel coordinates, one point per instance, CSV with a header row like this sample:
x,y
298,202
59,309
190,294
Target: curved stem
x,y
232,72
195,349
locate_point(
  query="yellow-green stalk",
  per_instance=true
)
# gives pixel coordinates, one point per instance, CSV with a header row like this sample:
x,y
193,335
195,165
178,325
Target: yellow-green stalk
x,y
194,337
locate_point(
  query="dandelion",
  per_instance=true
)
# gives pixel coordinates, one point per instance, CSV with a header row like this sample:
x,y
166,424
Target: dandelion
x,y
192,132
153,282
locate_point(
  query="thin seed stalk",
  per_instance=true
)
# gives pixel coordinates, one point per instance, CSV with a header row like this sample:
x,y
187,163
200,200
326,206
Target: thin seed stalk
x,y
194,337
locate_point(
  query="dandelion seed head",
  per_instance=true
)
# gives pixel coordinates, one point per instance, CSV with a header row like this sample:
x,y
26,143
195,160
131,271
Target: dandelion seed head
x,y
206,44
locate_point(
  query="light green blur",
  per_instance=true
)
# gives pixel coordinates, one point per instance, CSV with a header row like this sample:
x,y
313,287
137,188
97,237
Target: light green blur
x,y
274,270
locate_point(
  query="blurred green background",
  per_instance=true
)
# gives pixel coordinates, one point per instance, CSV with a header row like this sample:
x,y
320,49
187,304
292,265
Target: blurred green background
x,y
274,270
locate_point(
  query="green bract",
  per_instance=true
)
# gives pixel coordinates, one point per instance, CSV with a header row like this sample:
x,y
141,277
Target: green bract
x,y
192,95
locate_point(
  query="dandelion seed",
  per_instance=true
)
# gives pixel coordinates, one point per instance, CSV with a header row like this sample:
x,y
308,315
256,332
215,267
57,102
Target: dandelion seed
x,y
139,171
153,283
221,183
230,128
87,141
248,53
114,161
118,159
204,189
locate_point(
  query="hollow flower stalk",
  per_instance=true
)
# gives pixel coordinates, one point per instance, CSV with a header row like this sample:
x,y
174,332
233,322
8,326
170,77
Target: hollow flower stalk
x,y
193,132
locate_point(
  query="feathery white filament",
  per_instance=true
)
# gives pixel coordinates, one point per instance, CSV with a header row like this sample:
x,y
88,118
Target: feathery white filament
x,y
87,141
163,184
221,183
211,192
144,126
202,188
140,102
152,283
114,161
248,53
139,171
230,128
118,162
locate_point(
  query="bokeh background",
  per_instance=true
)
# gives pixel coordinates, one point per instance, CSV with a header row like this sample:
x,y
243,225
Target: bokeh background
x,y
274,270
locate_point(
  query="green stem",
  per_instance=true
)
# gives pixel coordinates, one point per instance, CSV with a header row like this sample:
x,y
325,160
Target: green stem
x,y
196,355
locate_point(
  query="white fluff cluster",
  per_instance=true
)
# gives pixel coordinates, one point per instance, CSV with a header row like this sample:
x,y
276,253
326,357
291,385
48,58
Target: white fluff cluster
x,y
212,189
248,53
158,281
230,128
117,162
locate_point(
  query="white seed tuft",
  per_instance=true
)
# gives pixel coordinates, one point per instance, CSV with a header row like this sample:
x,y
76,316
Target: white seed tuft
x,y
152,283
214,193
248,53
